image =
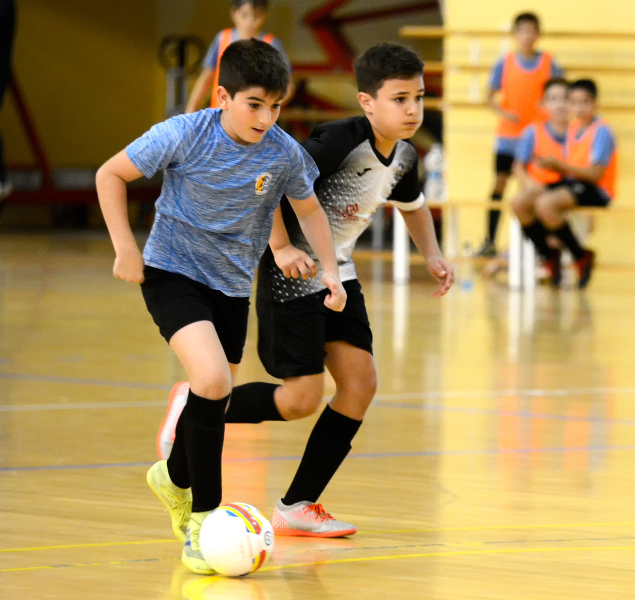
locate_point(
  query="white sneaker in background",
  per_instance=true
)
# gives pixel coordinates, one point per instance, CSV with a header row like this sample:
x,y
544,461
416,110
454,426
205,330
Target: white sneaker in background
x,y
308,519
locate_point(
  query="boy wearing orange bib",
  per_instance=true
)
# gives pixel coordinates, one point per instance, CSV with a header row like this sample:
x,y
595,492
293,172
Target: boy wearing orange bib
x,y
589,171
542,138
248,17
515,89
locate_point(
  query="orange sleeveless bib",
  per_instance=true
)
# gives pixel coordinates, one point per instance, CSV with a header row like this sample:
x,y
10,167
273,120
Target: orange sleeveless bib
x,y
545,145
521,91
578,153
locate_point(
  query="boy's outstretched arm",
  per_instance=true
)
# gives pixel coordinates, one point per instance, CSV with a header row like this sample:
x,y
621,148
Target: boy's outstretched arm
x,y
199,91
421,228
316,229
292,261
111,181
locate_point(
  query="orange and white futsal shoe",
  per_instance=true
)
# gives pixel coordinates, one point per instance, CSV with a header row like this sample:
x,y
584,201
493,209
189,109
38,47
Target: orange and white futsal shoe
x,y
308,519
176,404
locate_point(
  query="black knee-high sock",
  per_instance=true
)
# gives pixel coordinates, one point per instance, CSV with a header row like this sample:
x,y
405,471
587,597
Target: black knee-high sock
x,y
253,403
204,428
328,445
494,218
177,461
570,241
537,233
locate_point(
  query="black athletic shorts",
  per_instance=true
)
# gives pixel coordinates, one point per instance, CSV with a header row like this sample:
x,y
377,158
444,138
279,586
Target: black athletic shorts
x,y
503,163
175,301
291,335
586,194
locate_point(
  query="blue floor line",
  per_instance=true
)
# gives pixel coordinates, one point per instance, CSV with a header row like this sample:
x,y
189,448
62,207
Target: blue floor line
x,y
423,453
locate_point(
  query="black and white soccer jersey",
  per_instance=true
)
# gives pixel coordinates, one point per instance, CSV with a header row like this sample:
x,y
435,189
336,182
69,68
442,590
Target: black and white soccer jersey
x,y
355,180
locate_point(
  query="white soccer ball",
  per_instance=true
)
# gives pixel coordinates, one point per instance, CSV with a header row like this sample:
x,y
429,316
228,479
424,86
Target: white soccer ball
x,y
236,539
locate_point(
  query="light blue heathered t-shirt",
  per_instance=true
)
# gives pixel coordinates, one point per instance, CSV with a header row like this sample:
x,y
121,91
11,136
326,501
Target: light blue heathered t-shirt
x,y
215,212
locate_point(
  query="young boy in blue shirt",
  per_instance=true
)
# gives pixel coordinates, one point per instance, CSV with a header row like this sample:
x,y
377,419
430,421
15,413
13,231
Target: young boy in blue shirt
x,y
365,162
224,173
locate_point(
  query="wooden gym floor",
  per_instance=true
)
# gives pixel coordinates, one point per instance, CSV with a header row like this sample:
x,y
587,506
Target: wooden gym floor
x,y
497,461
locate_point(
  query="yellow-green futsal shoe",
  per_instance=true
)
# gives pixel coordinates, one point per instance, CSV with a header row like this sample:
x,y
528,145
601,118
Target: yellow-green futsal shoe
x,y
176,500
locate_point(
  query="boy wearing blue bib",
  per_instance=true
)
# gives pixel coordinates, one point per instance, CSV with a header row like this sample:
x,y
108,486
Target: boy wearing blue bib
x,y
224,173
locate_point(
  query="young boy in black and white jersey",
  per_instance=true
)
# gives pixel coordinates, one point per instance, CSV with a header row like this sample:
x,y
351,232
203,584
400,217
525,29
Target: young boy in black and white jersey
x,y
364,162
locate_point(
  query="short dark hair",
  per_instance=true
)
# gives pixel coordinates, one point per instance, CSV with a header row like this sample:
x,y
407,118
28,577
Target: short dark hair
x,y
588,85
527,17
555,81
253,63
382,62
261,4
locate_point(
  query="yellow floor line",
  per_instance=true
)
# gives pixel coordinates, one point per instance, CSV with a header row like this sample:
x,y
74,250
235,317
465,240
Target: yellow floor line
x,y
360,559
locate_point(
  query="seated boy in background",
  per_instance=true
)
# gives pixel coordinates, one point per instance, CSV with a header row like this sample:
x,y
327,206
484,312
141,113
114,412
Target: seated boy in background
x,y
588,169
542,138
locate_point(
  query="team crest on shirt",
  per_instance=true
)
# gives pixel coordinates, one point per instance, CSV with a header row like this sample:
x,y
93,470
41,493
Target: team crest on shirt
x,y
262,183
